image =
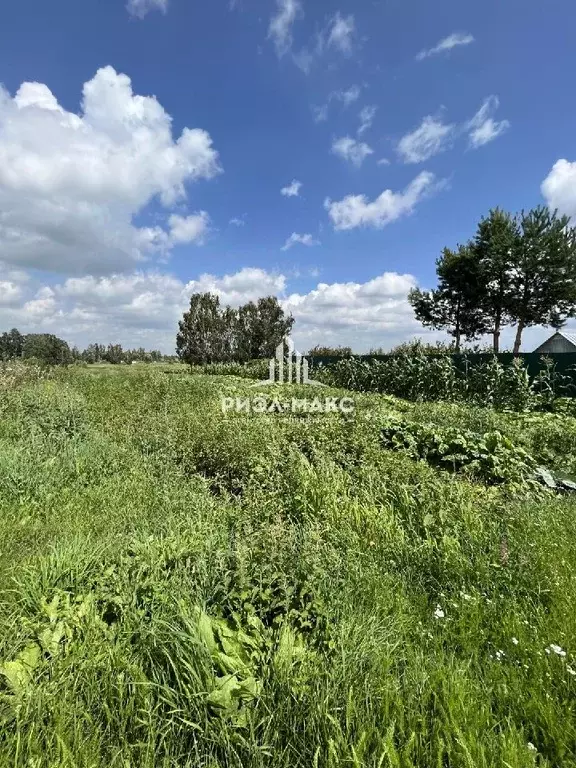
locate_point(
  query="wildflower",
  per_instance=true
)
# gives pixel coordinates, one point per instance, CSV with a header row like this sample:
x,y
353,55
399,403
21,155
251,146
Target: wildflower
x,y
531,747
571,671
557,650
515,640
439,613
500,655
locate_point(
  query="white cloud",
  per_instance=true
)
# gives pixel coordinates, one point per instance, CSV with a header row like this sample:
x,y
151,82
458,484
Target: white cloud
x,y
140,8
10,293
360,315
292,190
280,29
71,185
301,239
351,150
357,211
483,128
383,161
346,97
447,44
430,138
189,229
559,188
143,308
367,115
320,113
341,32
236,222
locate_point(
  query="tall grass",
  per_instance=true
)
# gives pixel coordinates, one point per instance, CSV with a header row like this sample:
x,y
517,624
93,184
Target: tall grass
x,y
183,587
420,377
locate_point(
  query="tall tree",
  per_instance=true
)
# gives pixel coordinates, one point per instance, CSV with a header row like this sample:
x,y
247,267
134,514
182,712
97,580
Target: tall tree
x,y
493,251
542,272
199,338
261,328
11,344
47,348
455,305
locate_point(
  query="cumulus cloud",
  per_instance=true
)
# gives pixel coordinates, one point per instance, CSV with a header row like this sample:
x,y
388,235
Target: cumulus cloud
x,y
357,211
292,190
351,150
482,127
559,188
143,308
71,185
281,24
430,138
188,229
361,315
447,44
295,238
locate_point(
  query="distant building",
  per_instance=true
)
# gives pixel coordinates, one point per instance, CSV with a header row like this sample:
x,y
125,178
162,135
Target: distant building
x,y
558,342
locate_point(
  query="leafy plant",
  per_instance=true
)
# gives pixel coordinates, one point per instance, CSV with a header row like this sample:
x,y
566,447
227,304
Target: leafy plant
x,y
491,457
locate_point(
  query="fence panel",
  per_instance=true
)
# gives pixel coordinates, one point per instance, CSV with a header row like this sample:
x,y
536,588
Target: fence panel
x,y
564,362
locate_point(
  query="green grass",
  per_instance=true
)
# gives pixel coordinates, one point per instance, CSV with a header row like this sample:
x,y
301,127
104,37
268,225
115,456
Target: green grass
x,y
186,588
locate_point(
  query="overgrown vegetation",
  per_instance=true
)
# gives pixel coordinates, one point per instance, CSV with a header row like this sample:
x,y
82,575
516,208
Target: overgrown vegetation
x,y
418,376
183,587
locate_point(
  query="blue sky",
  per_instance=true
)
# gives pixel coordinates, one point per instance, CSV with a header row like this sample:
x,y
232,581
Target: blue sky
x,y
401,121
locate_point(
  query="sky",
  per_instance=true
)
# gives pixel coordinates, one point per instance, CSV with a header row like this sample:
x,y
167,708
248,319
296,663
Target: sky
x,y
320,151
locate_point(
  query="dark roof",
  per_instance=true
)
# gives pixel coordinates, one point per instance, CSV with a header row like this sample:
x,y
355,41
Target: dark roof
x,y
569,337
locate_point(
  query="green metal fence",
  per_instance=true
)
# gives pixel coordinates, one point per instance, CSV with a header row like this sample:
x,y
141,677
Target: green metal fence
x,y
564,363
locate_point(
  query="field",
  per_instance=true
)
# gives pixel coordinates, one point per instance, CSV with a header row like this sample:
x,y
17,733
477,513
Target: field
x,y
183,587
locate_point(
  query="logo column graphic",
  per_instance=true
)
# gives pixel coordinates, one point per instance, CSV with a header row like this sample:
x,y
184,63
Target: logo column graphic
x,y
289,362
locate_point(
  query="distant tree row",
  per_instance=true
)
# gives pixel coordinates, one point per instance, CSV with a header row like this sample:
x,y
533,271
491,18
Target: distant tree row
x,y
51,350
115,354
518,270
322,351
211,333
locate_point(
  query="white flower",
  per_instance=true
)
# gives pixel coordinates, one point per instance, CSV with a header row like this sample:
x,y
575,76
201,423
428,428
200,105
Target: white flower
x,y
515,640
531,747
500,655
571,671
557,650
439,613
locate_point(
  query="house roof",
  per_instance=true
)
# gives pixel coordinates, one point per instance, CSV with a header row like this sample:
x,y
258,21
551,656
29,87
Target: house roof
x,y
570,338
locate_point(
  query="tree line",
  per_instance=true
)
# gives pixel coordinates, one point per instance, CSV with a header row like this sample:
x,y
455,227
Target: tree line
x,y
517,270
51,350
